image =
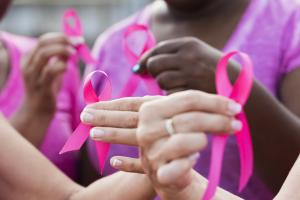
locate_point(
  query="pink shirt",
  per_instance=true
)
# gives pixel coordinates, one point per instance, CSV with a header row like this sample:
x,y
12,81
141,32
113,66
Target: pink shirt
x,y
268,32
66,117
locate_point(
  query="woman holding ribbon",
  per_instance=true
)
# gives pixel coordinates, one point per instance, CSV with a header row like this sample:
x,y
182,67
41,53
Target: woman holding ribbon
x,y
39,91
191,37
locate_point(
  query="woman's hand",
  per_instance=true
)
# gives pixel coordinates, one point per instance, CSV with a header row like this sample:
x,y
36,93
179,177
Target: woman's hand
x,y
170,150
181,64
43,70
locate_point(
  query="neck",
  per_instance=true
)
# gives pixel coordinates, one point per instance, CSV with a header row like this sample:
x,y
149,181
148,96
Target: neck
x,y
207,9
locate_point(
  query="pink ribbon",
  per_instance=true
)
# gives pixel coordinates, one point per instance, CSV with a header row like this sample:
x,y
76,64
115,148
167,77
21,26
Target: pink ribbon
x,y
133,58
90,89
239,92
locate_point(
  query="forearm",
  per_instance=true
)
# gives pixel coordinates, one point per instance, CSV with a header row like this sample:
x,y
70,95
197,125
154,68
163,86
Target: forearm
x,y
119,186
26,174
32,126
290,189
275,131
195,191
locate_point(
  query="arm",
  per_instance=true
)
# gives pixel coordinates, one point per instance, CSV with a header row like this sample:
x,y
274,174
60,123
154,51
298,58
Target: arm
x,y
26,174
290,188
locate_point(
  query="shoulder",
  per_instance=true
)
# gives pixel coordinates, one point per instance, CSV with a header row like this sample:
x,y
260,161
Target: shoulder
x,y
22,43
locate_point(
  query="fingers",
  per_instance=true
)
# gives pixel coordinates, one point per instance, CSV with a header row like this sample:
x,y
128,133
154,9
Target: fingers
x,y
189,101
178,146
127,164
175,170
125,104
49,46
115,135
205,122
160,63
169,80
109,118
52,71
166,47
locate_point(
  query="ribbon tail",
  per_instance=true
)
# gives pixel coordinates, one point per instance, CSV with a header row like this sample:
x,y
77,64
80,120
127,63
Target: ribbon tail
x,y
102,149
246,152
77,139
218,147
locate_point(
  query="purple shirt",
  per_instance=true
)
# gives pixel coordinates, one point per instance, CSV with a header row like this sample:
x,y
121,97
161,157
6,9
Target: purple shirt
x,y
66,117
268,32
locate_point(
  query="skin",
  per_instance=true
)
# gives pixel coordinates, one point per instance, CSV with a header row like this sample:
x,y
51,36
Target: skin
x,y
174,180
180,63
21,157
166,159
42,72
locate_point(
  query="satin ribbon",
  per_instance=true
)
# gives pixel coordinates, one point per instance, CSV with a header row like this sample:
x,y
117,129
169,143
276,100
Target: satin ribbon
x,y
133,58
239,92
90,89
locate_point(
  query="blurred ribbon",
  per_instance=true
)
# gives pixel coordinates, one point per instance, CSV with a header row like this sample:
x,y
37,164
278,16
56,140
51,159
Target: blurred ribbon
x,y
96,87
239,92
133,58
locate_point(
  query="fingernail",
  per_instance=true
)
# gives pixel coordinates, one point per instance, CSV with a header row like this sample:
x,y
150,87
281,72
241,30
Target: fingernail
x,y
234,108
194,157
236,125
116,162
97,133
86,117
135,69
72,50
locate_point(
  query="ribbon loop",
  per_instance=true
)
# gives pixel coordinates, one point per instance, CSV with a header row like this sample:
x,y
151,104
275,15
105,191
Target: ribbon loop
x,y
239,92
133,58
71,23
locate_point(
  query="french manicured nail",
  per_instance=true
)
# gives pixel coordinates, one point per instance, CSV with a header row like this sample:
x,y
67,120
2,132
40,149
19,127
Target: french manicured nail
x,y
236,125
116,162
97,133
136,68
234,108
86,117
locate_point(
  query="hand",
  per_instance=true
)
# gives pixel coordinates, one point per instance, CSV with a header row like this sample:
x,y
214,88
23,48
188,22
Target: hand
x,y
42,72
181,64
168,159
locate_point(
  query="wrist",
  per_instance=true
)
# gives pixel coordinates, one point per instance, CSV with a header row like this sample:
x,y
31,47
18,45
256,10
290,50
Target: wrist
x,y
193,190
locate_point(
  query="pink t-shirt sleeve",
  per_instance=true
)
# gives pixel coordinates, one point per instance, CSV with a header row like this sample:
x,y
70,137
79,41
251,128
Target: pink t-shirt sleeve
x,y
291,44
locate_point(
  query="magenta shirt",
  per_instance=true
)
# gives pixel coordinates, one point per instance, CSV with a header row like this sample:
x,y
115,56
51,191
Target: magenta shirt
x,y
66,117
268,32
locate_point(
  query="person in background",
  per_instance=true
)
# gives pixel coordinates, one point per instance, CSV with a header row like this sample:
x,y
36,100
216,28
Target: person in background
x,y
191,36
39,91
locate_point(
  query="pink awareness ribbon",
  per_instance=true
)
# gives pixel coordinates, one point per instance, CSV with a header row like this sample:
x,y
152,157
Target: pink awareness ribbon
x,y
133,58
239,92
96,87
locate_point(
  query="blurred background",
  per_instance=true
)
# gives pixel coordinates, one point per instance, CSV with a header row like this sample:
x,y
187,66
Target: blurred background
x,y
35,17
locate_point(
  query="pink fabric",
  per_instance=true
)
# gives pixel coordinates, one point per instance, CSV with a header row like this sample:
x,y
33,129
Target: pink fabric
x,y
67,115
268,32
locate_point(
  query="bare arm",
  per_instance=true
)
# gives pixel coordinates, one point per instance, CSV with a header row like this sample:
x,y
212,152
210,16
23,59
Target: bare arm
x,y
26,174
290,189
